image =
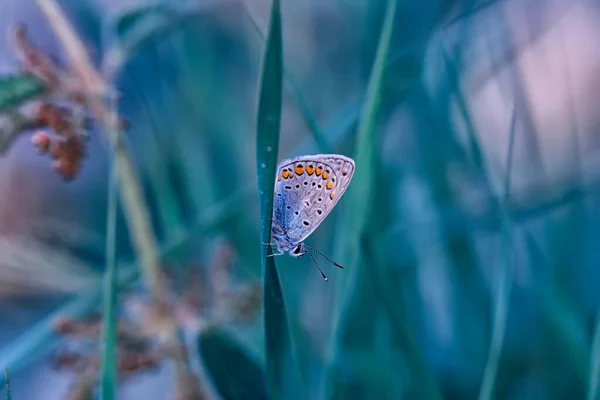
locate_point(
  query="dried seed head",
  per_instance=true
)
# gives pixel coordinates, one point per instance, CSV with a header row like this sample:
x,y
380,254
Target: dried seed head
x,y
33,60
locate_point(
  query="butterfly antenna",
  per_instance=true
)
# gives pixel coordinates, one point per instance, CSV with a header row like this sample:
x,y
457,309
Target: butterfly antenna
x,y
317,265
324,256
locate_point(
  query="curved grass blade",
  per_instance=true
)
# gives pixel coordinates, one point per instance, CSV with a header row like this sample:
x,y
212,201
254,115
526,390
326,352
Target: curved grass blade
x,y
504,283
129,20
235,374
109,378
281,369
359,194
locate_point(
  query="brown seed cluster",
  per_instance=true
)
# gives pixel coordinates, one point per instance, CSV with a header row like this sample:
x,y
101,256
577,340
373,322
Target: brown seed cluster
x,y
63,114
66,147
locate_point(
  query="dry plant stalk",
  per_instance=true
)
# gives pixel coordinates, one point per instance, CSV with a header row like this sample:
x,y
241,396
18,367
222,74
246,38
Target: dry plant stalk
x,y
136,212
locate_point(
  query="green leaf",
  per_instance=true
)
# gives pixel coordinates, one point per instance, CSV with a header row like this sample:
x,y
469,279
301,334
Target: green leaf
x,y
17,89
109,375
281,369
234,372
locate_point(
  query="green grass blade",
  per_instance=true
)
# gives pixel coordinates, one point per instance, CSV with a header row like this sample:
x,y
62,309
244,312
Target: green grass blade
x,y
234,372
359,200
504,284
7,384
109,377
594,378
564,324
294,88
281,369
360,192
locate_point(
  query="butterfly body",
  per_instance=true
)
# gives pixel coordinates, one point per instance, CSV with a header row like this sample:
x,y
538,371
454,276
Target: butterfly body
x,y
306,189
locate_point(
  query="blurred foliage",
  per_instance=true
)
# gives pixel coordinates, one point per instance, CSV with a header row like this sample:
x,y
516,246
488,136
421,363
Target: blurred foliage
x,y
235,373
454,286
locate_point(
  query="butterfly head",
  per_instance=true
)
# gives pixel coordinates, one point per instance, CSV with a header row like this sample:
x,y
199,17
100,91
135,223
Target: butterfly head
x,y
298,251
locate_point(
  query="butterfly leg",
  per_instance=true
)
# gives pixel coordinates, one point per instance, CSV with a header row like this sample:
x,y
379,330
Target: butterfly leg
x,y
279,227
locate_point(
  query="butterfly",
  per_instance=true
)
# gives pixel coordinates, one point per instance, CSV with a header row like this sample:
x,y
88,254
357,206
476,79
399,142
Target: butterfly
x,y
306,189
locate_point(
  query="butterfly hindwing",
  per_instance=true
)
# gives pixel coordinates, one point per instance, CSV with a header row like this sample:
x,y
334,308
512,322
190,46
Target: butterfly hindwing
x,y
307,188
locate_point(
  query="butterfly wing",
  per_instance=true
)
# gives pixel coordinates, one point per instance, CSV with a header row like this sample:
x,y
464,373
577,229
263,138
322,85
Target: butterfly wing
x,y
307,188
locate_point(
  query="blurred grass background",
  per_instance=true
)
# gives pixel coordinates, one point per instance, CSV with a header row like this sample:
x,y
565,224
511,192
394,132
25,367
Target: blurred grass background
x,y
458,276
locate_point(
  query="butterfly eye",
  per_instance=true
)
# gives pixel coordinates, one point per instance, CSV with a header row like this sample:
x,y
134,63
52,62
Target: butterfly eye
x,y
297,250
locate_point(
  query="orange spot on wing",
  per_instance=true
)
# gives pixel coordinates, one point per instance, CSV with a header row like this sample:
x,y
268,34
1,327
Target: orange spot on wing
x,y
329,185
299,170
325,175
331,195
318,171
310,170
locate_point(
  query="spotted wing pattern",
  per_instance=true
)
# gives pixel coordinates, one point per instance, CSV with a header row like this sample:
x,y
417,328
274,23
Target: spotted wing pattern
x,y
307,188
